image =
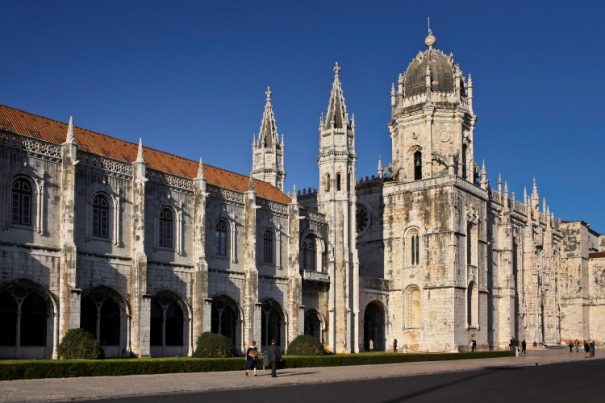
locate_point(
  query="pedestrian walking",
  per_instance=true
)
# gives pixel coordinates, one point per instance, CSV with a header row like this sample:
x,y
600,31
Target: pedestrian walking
x,y
251,356
395,345
371,345
570,346
586,349
523,347
273,355
474,345
577,345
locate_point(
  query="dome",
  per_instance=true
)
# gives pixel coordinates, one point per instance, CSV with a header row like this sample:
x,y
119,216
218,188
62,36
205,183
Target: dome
x,y
442,71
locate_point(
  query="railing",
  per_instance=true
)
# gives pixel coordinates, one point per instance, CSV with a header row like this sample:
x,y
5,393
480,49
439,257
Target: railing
x,y
315,276
375,283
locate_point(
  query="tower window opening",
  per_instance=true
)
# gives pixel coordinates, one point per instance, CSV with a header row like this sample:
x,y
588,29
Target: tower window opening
x,y
338,182
417,165
327,182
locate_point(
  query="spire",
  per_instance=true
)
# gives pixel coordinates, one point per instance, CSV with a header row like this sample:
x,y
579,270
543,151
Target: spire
x,y
294,196
251,184
140,152
267,136
200,170
70,131
379,167
337,110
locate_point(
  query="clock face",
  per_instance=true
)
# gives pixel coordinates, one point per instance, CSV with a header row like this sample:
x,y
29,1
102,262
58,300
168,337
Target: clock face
x,y
362,218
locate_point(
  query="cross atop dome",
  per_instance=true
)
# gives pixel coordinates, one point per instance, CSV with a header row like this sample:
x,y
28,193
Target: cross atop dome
x,y
430,39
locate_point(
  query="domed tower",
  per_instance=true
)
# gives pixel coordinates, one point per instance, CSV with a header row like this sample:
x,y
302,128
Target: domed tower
x,y
432,119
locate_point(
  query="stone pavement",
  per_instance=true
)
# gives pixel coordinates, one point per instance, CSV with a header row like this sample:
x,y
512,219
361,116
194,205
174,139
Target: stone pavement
x,y
89,388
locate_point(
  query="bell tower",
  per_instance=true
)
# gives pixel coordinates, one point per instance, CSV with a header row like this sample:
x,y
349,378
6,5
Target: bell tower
x,y
337,200
432,120
267,151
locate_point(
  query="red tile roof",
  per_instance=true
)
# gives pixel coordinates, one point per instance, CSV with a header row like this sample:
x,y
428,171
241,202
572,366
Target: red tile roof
x,y
30,125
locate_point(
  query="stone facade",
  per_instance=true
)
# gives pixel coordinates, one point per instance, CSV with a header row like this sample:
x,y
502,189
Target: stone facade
x,y
147,250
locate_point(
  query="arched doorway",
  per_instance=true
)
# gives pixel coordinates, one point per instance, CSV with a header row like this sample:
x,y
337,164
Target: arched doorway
x,y
24,321
313,325
272,324
373,326
102,315
225,319
167,326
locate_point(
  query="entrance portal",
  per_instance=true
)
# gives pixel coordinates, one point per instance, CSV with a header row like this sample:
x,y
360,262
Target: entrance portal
x,y
373,327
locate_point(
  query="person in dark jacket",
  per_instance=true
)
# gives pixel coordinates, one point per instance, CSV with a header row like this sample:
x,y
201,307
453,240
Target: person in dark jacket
x,y
273,356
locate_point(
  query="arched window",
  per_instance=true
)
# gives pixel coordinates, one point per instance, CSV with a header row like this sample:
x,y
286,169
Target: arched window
x,y
22,202
313,324
220,238
100,315
415,248
272,323
417,165
338,179
412,307
165,234
268,246
309,255
23,317
224,318
327,182
100,216
166,321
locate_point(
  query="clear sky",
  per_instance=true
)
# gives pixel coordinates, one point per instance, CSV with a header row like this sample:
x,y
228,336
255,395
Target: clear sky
x,y
189,77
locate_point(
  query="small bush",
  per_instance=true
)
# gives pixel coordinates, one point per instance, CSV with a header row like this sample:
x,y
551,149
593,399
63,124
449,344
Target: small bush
x,y
79,344
306,346
212,345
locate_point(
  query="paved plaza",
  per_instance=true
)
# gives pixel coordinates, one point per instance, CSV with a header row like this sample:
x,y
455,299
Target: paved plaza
x,y
145,385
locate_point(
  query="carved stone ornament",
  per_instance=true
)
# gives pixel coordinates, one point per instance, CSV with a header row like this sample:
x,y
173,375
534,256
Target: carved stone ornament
x,y
444,136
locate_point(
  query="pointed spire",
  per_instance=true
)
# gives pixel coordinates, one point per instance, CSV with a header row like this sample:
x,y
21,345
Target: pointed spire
x,y
140,152
71,138
267,136
524,195
200,170
337,110
499,182
380,173
483,175
393,95
294,195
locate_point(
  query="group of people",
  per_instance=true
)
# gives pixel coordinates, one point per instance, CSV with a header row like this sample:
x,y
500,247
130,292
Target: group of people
x,y
514,345
272,357
588,346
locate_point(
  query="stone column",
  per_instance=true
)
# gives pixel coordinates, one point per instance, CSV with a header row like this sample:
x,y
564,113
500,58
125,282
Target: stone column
x,y
296,321
250,297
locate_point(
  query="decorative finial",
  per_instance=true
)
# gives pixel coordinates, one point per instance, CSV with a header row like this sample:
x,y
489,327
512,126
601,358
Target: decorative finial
x,y
294,194
268,93
251,183
140,152
336,69
200,170
70,131
430,40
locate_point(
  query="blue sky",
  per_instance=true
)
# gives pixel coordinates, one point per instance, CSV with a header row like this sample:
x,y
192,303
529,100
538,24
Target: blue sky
x,y
189,77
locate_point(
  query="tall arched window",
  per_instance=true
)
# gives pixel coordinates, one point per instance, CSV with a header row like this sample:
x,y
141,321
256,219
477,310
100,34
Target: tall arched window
x,y
338,179
23,316
309,255
100,315
100,216
327,183
220,238
417,165
166,321
22,202
414,248
268,246
165,234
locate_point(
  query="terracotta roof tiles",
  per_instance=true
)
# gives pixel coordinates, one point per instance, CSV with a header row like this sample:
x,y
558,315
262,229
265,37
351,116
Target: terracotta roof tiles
x,y
30,125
